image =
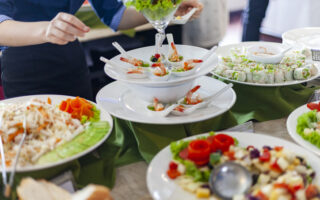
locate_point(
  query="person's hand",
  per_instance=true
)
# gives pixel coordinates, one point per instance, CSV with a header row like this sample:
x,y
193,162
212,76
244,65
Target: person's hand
x,y
187,5
64,28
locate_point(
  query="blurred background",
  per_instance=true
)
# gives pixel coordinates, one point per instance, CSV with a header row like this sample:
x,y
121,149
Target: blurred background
x,y
221,23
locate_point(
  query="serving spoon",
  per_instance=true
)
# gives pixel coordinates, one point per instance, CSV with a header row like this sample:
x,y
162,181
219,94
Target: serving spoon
x,y
230,179
185,18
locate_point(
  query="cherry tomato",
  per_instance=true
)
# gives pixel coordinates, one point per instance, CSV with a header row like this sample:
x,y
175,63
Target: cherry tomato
x,y
157,55
220,142
199,151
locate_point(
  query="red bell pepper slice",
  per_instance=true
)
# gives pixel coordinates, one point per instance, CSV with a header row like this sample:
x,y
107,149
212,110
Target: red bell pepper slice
x,y
314,106
173,173
265,157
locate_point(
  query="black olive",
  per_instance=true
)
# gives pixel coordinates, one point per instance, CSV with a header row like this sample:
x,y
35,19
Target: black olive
x,y
255,178
154,59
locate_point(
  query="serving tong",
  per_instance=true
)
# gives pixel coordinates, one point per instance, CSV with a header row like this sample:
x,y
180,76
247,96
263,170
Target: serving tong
x,y
8,185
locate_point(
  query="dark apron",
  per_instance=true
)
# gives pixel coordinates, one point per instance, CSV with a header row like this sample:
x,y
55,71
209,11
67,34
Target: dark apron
x,y
46,69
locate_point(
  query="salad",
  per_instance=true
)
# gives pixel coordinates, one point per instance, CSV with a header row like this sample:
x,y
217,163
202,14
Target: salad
x,y
277,173
154,9
237,66
308,126
54,132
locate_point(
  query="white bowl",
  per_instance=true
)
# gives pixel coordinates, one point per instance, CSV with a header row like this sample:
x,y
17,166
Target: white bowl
x,y
167,94
266,53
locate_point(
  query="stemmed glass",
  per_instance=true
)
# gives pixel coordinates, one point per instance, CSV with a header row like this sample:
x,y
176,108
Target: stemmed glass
x,y
159,17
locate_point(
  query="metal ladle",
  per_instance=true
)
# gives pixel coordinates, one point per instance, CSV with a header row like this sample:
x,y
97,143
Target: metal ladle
x,y
230,179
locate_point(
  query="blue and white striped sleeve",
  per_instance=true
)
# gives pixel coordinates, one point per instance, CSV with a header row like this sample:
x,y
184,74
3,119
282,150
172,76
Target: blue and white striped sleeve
x,y
4,18
110,12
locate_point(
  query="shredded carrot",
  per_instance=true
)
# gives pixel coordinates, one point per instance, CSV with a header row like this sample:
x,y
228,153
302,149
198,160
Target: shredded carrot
x,y
13,135
77,107
42,126
49,100
58,140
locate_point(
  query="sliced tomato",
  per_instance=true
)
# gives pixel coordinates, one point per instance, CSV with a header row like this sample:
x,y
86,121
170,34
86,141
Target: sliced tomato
x,y
311,191
173,166
265,157
184,154
220,142
173,173
199,151
313,106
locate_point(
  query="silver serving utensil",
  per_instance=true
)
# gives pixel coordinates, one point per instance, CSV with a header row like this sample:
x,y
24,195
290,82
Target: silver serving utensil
x,y
15,163
230,179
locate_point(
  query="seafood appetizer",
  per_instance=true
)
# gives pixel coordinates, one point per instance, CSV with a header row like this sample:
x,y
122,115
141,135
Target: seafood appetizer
x,y
277,173
293,66
135,62
156,58
159,72
54,132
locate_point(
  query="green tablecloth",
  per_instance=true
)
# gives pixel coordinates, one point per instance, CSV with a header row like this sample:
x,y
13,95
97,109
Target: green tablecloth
x,y
130,142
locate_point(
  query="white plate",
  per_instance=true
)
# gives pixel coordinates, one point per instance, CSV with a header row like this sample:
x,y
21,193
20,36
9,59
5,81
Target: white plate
x,y
292,129
303,37
163,188
56,99
123,103
225,51
188,52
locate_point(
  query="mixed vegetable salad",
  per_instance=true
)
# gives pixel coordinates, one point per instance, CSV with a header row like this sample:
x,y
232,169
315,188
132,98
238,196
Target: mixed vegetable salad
x,y
154,9
237,66
308,126
277,172
54,132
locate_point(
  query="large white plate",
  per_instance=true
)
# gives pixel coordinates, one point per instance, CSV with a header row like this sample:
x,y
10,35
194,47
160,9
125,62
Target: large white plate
x,y
122,103
144,53
56,99
303,37
292,122
225,51
163,188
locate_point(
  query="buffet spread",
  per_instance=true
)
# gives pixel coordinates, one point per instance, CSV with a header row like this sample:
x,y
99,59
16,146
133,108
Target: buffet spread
x,y
167,84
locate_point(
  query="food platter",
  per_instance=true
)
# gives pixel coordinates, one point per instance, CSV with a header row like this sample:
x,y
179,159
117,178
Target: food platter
x,y
225,51
162,187
308,36
56,100
121,102
292,123
144,53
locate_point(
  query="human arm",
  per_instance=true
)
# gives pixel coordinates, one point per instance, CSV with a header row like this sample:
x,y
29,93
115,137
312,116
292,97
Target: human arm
x,y
62,29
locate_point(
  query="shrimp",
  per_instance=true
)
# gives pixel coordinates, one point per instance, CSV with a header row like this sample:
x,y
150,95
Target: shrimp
x,y
133,61
190,64
179,108
174,56
156,105
135,71
193,101
160,69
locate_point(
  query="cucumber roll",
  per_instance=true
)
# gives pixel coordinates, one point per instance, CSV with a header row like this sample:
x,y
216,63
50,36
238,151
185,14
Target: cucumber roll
x,y
259,76
288,73
278,76
239,76
220,69
228,73
313,69
248,74
269,76
302,73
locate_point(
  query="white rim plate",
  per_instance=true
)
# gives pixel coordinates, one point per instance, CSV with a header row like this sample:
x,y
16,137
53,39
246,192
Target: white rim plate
x,y
163,188
144,53
225,50
292,129
122,103
308,36
56,99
